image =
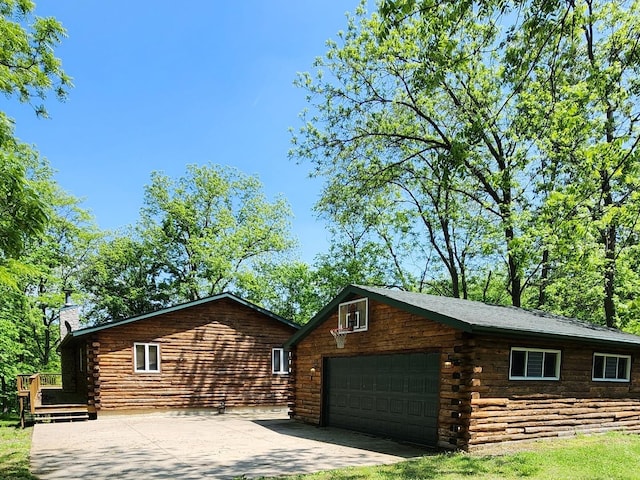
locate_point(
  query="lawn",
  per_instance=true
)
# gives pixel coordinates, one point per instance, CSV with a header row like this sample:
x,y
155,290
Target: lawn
x,y
15,444
611,456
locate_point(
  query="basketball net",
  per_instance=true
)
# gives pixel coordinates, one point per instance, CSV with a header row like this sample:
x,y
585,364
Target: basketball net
x,y
340,336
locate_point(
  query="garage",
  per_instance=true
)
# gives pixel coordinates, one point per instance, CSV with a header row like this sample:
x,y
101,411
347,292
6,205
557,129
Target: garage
x,y
394,396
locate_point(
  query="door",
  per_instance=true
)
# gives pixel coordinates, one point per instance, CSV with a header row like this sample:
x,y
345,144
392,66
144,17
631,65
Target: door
x,y
394,396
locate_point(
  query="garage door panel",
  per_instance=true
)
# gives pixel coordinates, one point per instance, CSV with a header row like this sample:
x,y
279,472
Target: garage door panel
x,y
397,385
382,405
388,395
367,403
339,401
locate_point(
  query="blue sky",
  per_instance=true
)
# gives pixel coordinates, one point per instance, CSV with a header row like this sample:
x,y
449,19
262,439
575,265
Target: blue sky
x,y
160,85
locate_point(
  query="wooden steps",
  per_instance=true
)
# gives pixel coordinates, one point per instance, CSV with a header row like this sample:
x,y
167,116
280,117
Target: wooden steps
x,y
62,412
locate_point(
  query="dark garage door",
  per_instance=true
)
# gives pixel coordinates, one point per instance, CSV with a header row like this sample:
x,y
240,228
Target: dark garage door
x,y
388,395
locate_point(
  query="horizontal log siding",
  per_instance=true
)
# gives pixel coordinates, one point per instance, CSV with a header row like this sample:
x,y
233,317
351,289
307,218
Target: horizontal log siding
x,y
209,353
504,410
508,420
390,331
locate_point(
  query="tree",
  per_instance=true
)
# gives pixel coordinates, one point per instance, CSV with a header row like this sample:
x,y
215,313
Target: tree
x,y
291,289
29,68
210,228
123,279
56,260
50,263
23,214
527,110
583,89
426,94
209,231
29,71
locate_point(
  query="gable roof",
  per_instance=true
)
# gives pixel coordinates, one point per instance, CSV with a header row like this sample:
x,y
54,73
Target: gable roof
x,y
477,317
88,330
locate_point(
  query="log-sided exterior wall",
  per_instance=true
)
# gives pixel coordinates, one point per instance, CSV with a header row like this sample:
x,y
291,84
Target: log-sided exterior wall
x,y
512,410
479,405
210,353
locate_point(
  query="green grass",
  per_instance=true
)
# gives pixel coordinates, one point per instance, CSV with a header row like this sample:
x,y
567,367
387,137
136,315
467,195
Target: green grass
x,y
601,457
15,444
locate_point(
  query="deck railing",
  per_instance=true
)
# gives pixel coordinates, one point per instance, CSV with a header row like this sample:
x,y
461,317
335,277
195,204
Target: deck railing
x,y
23,383
32,385
47,380
50,380
30,396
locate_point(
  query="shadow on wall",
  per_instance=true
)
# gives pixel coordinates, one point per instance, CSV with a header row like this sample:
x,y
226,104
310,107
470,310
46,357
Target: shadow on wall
x,y
231,363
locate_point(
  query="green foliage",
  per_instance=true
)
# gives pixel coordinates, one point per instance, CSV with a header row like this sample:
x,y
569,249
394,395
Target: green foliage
x,y
29,69
210,228
209,231
445,143
122,280
469,137
44,234
30,301
292,289
23,214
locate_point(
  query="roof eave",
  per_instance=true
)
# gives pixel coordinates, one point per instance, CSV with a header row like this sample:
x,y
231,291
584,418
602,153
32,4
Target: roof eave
x,y
88,330
519,334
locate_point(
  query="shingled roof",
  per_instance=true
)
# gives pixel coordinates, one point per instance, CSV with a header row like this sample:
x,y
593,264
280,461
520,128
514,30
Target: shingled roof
x,y
229,296
478,317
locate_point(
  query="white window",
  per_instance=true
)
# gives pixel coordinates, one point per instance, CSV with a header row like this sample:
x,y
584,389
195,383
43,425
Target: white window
x,y
279,361
609,367
354,315
534,364
146,357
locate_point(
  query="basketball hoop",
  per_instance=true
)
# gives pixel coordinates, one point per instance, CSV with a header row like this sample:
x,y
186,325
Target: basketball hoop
x,y
340,334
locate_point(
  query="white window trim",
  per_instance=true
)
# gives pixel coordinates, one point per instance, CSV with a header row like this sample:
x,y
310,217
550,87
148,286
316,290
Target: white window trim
x,y
527,350
146,358
284,361
366,320
617,380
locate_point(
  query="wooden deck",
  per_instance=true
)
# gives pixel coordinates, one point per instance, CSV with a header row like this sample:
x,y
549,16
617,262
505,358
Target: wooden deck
x,y
32,389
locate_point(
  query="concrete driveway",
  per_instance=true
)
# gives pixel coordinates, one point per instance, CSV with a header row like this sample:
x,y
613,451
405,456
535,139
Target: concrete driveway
x,y
201,445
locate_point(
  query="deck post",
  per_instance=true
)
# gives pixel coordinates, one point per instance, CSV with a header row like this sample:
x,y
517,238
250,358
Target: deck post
x,y
21,402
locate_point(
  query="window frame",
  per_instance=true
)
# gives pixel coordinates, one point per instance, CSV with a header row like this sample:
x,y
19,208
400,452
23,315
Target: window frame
x,y
283,356
528,350
617,356
146,357
363,325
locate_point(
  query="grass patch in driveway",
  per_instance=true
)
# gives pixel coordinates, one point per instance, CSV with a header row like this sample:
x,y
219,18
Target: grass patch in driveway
x,y
15,444
600,457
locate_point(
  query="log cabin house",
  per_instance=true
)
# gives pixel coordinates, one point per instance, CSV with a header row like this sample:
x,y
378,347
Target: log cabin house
x,y
218,352
460,374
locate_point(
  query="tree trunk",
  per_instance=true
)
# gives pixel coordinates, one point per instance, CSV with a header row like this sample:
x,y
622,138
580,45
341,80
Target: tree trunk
x,y
609,240
3,395
515,281
544,278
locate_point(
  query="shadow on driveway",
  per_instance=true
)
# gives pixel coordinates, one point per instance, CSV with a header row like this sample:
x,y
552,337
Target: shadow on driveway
x,y
345,438
167,445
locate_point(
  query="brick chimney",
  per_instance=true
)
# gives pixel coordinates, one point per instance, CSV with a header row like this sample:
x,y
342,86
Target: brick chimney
x,y
69,316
